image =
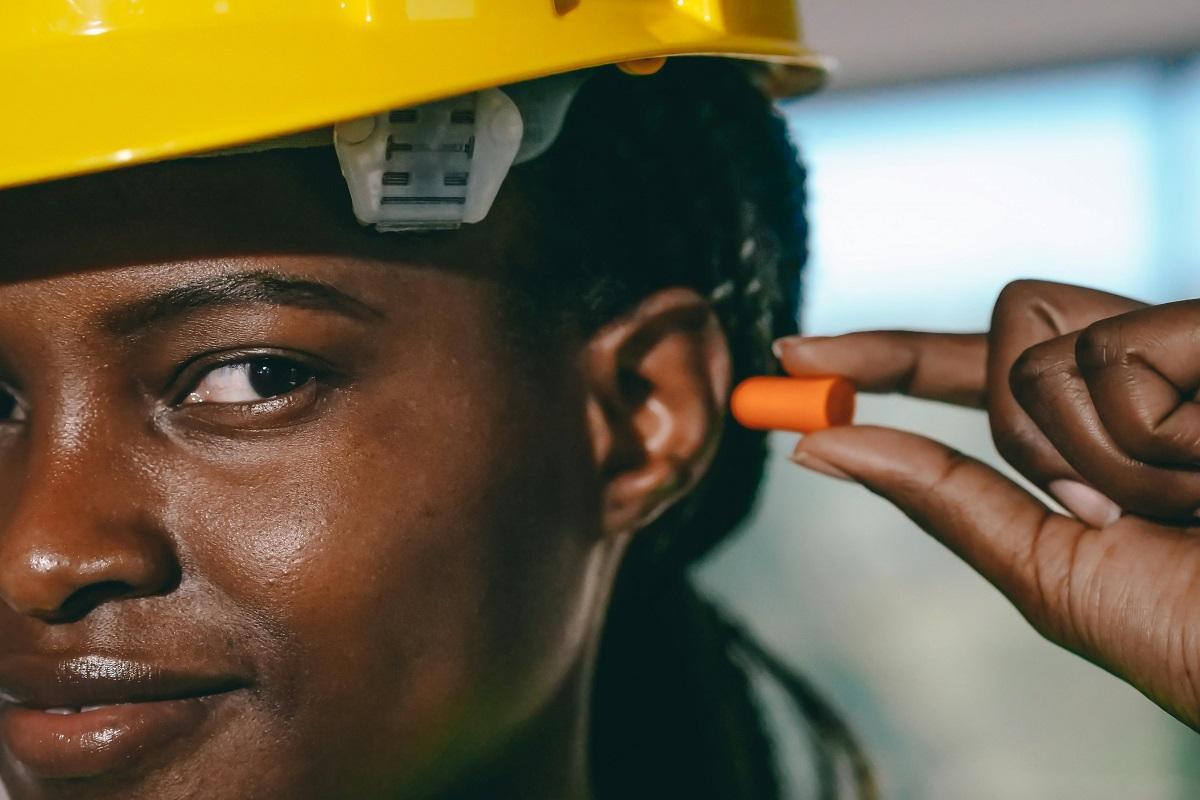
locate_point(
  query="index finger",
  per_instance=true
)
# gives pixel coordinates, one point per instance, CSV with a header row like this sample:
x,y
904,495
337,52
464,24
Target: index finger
x,y
948,367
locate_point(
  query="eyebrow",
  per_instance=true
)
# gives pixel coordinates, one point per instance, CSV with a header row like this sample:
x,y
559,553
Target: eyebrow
x,y
243,287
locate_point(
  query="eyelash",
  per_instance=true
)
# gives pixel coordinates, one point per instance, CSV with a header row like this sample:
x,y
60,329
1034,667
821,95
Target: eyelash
x,y
302,383
267,376
11,407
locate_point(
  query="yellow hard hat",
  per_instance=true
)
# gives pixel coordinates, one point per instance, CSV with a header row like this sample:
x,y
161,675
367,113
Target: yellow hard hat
x,y
95,84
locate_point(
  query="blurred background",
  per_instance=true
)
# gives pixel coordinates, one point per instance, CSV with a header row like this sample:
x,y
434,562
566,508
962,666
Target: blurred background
x,y
963,145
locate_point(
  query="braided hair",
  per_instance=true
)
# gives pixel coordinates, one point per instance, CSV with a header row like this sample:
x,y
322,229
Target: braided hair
x,y
687,178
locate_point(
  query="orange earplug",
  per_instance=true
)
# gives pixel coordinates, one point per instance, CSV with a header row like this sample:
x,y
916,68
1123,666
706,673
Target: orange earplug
x,y
803,405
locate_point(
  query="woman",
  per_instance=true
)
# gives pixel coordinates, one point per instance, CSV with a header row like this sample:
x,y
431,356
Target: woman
x,y
299,509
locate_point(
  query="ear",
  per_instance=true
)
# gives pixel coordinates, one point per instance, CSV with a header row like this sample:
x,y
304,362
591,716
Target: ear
x,y
659,378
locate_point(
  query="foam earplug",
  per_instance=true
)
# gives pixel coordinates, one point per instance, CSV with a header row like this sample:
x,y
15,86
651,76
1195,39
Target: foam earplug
x,y
802,405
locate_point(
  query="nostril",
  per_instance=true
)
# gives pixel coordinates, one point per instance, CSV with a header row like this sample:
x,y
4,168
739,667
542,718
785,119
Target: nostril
x,y
58,572
78,604
82,601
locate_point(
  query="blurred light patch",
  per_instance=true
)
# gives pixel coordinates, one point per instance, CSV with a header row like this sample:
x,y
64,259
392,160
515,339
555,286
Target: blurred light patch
x,y
954,190
1179,178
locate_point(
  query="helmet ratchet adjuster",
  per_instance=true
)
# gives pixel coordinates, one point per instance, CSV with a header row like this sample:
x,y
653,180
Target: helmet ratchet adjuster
x,y
440,165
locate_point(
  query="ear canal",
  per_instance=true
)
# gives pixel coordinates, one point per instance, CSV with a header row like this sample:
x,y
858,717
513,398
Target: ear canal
x,y
659,373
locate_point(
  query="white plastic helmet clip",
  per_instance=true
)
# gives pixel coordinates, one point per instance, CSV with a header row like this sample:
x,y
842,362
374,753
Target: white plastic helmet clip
x,y
435,166
441,165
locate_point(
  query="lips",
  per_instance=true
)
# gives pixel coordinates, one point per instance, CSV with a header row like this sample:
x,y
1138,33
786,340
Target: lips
x,y
90,715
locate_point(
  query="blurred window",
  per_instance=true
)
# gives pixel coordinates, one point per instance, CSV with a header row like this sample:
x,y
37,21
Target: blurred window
x,y
1089,175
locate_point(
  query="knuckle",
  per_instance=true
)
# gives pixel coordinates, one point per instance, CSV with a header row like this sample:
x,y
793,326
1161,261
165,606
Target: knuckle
x,y
1175,439
1036,370
1058,593
1027,307
1023,290
1104,344
1020,295
1017,295
1044,589
954,464
1142,437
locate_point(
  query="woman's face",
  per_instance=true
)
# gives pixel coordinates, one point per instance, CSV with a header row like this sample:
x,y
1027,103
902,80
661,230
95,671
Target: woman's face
x,y
289,503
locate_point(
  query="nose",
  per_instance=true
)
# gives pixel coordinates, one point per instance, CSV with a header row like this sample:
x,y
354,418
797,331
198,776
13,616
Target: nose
x,y
78,536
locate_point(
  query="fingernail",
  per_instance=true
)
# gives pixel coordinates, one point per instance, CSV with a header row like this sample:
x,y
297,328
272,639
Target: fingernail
x,y
779,345
1085,503
809,461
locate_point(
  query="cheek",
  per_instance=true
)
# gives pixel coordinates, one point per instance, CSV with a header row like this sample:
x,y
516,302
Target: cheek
x,y
420,554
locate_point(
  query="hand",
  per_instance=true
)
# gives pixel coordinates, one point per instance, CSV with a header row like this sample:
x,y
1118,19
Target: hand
x,y
1093,398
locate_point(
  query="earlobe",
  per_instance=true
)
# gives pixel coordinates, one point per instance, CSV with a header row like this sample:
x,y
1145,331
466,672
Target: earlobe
x,y
659,379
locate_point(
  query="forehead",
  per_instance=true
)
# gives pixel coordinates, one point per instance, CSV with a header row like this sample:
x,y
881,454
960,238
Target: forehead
x,y
261,204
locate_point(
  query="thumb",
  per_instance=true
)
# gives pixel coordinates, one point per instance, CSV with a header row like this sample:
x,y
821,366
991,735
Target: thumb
x,y
1001,530
1123,597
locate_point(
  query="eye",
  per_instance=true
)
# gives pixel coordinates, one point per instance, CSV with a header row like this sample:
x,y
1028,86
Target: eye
x,y
10,407
249,381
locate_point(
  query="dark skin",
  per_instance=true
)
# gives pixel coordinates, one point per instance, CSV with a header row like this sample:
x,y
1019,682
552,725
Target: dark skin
x,y
399,562
1092,397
